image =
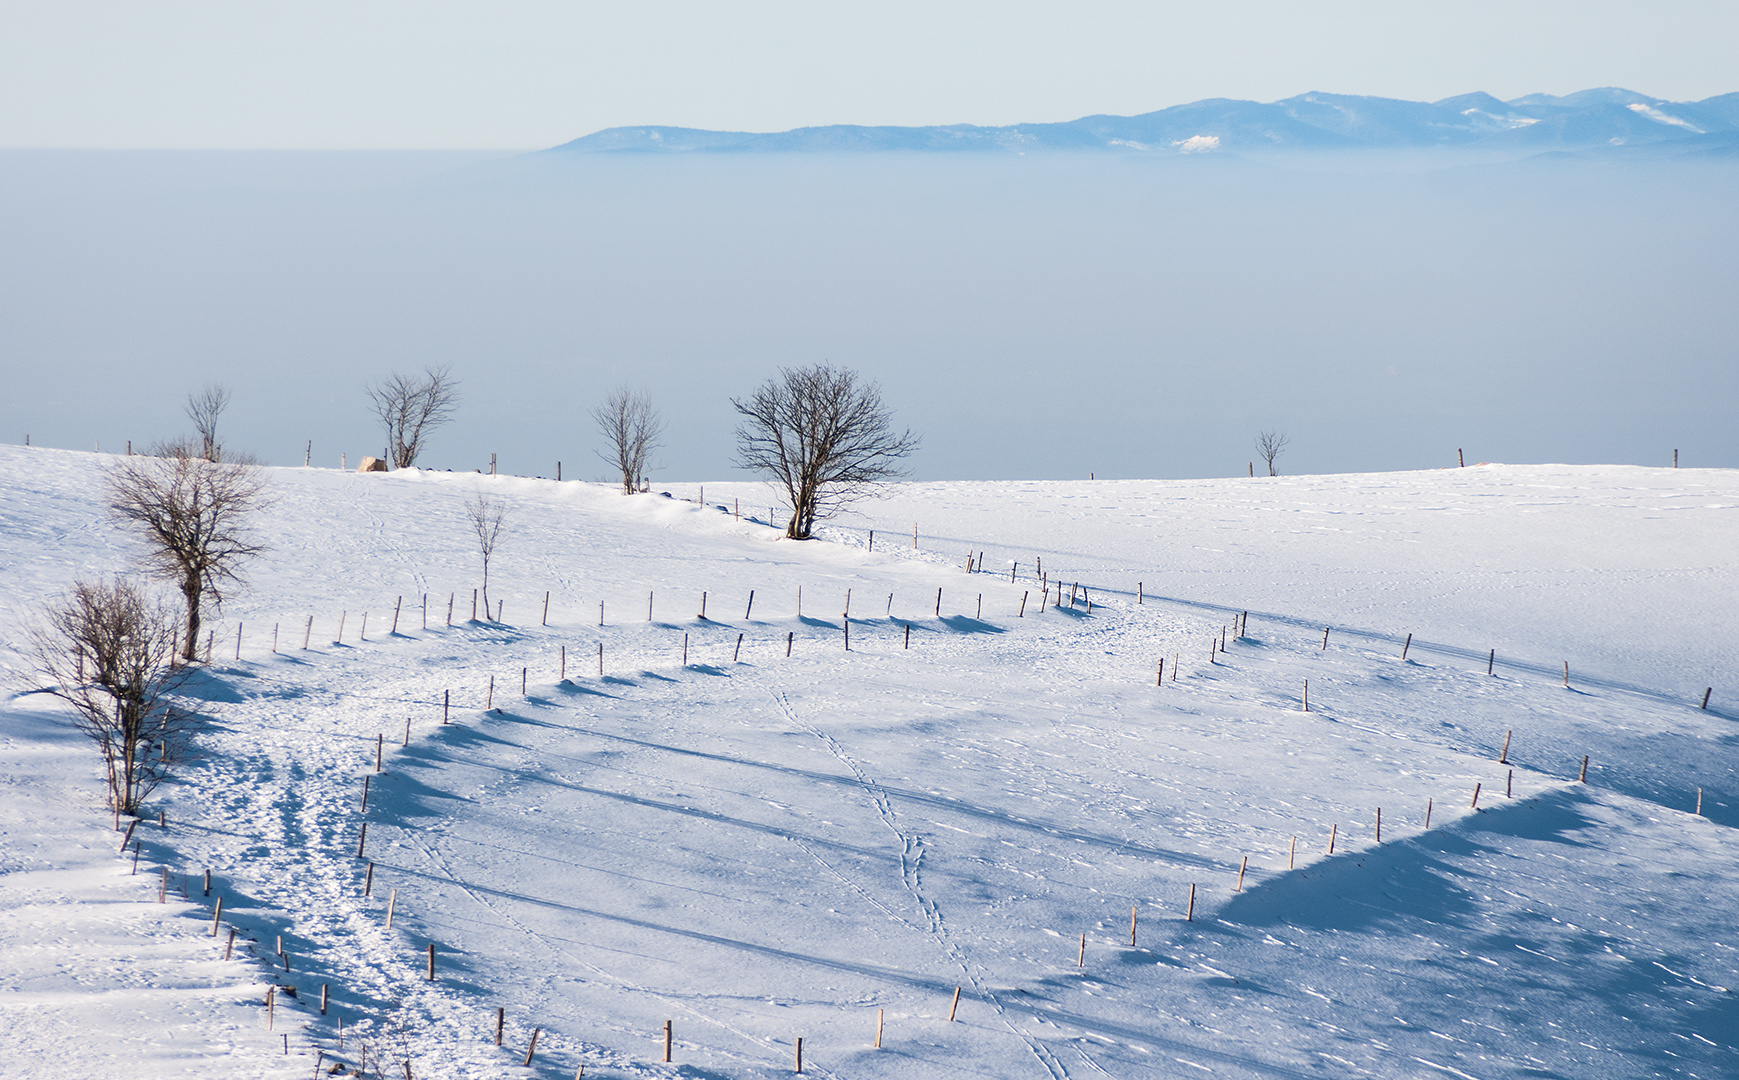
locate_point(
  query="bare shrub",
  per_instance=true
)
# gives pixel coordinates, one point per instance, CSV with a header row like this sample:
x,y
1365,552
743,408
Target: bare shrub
x,y
631,428
823,434
384,1052
194,516
1268,447
108,651
411,407
486,516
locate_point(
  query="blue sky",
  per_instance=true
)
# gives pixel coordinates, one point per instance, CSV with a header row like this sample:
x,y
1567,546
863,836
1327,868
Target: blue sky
x,y
530,73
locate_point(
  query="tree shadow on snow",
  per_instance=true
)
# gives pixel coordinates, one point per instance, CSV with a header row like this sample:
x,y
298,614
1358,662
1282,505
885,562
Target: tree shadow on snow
x,y
207,685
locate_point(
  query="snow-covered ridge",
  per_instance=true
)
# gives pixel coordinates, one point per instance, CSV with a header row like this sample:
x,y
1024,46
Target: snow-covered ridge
x,y
1307,122
758,847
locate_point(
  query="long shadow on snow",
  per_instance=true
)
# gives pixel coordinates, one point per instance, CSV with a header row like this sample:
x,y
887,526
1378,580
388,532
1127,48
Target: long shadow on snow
x,y
1404,880
722,819
942,802
206,684
938,987
1406,887
390,794
963,624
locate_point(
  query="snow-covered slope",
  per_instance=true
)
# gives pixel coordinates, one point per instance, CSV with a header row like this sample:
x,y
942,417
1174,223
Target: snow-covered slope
x,y
745,829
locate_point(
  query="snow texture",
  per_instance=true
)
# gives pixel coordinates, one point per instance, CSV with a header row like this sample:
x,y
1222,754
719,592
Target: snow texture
x,y
759,847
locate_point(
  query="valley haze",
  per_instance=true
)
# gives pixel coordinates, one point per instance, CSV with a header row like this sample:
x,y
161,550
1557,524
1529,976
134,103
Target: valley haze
x,y
1543,279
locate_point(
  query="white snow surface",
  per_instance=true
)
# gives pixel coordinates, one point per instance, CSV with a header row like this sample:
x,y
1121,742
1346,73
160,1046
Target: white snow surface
x,y
759,848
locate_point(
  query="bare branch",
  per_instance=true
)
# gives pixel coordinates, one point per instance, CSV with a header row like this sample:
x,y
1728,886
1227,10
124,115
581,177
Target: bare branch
x,y
824,435
631,428
193,515
410,407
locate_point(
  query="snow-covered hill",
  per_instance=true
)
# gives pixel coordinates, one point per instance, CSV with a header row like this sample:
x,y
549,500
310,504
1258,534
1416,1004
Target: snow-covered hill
x,y
1601,118
740,826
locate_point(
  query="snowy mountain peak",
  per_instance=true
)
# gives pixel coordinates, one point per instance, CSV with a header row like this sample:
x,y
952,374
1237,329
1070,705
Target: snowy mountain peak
x,y
1314,121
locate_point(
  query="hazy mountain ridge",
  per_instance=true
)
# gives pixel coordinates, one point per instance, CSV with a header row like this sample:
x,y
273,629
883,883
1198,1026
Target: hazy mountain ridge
x,y
1603,118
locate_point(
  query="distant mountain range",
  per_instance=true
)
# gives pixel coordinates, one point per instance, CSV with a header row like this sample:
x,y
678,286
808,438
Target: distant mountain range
x,y
1591,119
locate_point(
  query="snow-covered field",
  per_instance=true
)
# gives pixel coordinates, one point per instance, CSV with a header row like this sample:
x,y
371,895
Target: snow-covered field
x,y
759,847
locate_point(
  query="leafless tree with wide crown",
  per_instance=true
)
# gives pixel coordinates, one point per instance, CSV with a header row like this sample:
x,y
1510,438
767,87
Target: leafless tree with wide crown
x,y
194,517
411,406
824,435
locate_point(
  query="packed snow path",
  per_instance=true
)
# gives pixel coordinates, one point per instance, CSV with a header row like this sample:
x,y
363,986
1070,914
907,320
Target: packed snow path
x,y
759,847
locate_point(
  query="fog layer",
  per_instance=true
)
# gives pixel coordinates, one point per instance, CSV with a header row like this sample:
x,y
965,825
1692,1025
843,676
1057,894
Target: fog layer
x,y
1039,316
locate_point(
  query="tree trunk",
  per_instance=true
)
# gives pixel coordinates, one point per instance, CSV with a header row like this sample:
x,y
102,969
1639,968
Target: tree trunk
x,y
190,589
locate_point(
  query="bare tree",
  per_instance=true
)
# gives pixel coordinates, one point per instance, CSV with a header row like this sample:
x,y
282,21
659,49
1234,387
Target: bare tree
x,y
203,409
1268,447
824,435
411,406
194,515
486,518
631,427
109,652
